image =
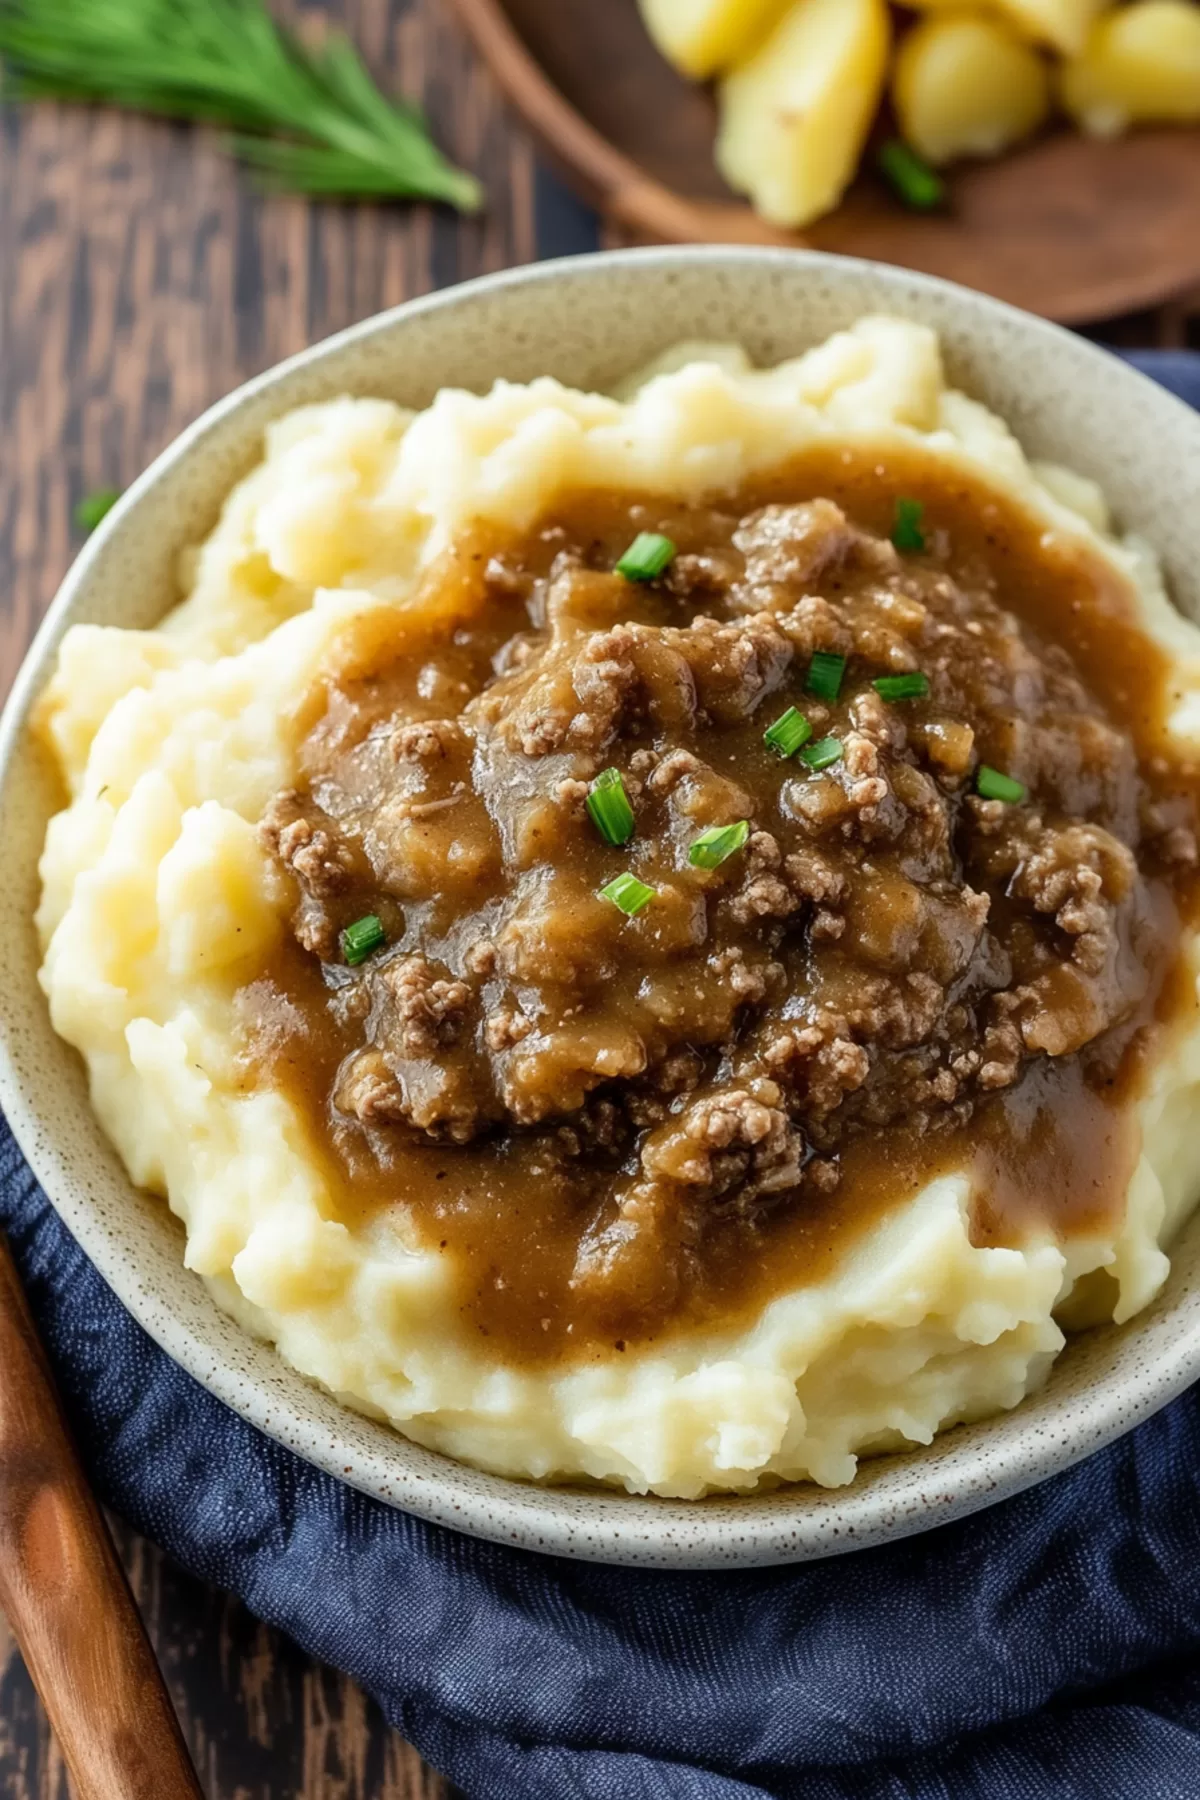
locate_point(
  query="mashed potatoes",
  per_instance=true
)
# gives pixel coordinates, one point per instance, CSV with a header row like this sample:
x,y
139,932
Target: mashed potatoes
x,y
159,903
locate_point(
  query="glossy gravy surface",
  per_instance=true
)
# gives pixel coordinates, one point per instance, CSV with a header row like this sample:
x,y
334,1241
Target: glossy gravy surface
x,y
567,1204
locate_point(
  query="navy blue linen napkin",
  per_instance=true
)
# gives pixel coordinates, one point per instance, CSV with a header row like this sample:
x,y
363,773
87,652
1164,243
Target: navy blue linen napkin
x,y
1048,1649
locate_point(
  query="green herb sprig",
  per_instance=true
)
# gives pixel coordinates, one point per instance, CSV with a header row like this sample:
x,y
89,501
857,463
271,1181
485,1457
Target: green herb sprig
x,y
609,809
914,686
363,939
648,557
823,754
910,176
718,844
825,672
906,532
628,893
307,118
993,784
790,730
95,507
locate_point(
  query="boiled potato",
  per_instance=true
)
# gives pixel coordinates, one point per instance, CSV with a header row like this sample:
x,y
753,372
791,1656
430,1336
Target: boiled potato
x,y
1140,65
966,85
1063,24
702,36
795,116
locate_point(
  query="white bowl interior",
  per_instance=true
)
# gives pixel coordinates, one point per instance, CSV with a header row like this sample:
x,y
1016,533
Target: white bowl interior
x,y
588,321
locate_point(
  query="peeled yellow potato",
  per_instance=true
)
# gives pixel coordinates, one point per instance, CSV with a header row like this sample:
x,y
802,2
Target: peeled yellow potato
x,y
795,116
1062,23
966,85
702,36
1140,65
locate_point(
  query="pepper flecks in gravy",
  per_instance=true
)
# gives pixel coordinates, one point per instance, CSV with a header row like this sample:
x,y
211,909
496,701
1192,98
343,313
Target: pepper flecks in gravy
x,y
909,865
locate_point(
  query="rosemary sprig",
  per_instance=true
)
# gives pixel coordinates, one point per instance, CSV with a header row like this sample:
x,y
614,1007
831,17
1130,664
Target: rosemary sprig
x,y
305,118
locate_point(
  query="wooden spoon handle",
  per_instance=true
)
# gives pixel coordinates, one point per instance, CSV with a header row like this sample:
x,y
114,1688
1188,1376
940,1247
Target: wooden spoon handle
x,y
66,1595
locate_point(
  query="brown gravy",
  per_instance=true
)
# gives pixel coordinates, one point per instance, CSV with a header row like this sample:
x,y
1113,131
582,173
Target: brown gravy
x,y
492,1188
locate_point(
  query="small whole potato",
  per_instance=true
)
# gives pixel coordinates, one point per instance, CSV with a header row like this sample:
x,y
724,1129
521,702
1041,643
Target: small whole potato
x,y
1140,65
965,85
702,36
1062,24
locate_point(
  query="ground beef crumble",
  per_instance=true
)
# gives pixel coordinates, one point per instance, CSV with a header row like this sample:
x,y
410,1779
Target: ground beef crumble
x,y
888,949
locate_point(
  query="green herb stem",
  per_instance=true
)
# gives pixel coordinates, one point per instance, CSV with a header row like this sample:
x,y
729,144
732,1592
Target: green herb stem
x,y
305,118
825,673
790,730
823,754
992,784
913,686
718,844
628,893
94,507
648,557
609,809
362,939
906,532
910,176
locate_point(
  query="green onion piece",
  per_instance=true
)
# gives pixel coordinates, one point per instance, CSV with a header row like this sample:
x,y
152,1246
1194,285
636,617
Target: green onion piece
x,y
825,673
718,843
790,730
608,805
823,754
995,786
94,507
902,687
627,892
910,176
362,939
906,532
646,558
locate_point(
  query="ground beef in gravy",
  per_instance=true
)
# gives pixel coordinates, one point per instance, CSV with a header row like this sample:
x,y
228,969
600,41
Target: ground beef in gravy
x,y
618,1125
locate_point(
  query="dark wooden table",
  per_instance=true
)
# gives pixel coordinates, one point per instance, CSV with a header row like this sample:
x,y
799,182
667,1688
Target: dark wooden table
x,y
141,277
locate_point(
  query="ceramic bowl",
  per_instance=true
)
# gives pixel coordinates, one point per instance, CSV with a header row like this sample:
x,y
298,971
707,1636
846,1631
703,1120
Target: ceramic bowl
x,y
588,321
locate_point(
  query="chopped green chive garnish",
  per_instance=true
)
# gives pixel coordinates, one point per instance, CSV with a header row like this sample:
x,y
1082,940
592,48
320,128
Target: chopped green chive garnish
x,y
992,785
94,507
646,558
906,532
362,939
627,892
823,754
825,673
790,730
902,687
608,805
713,846
910,176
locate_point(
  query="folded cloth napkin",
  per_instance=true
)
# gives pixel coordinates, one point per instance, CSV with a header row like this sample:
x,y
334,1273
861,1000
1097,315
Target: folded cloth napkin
x,y
1047,1649
1178,370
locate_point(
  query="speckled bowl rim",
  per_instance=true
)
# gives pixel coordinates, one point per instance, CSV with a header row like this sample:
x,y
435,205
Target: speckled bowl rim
x,y
1074,402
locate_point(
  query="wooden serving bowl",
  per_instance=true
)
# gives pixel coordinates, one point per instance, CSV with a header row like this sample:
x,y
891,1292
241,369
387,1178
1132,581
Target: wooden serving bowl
x,y
1068,227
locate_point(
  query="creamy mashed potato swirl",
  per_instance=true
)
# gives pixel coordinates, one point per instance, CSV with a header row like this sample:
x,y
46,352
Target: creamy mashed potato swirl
x,y
159,902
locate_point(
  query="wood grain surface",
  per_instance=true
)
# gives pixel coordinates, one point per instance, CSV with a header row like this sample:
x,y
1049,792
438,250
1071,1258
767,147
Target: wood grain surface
x,y
262,1721
142,277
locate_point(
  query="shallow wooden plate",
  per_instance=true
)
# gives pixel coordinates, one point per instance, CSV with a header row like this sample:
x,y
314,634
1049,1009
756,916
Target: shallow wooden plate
x,y
1069,227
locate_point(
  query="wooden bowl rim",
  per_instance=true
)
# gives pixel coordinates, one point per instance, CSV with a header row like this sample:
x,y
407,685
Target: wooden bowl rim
x,y
636,201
